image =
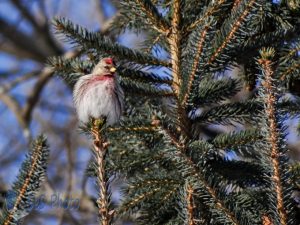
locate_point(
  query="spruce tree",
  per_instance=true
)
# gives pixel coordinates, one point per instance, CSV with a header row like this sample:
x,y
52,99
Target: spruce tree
x,y
177,167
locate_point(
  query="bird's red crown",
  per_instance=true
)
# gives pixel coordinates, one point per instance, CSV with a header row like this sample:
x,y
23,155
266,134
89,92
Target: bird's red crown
x,y
109,61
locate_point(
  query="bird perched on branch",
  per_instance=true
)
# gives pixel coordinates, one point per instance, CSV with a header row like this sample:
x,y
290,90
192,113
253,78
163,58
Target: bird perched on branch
x,y
98,94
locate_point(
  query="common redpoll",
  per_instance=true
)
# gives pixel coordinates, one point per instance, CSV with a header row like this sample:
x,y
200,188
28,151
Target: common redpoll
x,y
99,94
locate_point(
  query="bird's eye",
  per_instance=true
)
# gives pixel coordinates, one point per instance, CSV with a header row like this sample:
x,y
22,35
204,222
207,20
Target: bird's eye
x,y
106,67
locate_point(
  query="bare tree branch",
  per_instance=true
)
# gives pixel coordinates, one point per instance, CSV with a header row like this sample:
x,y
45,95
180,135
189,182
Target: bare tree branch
x,y
9,86
100,12
13,105
41,28
22,41
26,13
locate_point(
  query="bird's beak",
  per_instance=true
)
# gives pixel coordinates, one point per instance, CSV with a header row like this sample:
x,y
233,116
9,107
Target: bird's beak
x,y
113,69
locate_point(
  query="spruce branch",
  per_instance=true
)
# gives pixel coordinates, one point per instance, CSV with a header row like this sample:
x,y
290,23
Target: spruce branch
x,y
240,142
208,190
100,149
196,60
174,139
200,148
230,35
151,182
144,16
214,8
145,89
72,69
135,125
236,3
236,173
68,66
292,69
138,199
153,43
295,171
227,113
134,129
290,52
274,135
237,138
138,188
157,21
211,91
172,191
31,174
164,207
135,73
88,41
290,108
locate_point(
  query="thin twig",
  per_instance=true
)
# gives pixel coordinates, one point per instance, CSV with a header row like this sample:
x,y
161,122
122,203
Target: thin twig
x,y
36,92
14,106
100,11
24,44
25,12
9,86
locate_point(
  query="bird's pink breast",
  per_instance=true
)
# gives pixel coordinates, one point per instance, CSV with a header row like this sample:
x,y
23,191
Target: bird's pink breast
x,y
102,77
106,80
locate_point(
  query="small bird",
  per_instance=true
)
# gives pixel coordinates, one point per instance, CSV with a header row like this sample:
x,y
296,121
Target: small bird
x,y
98,94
